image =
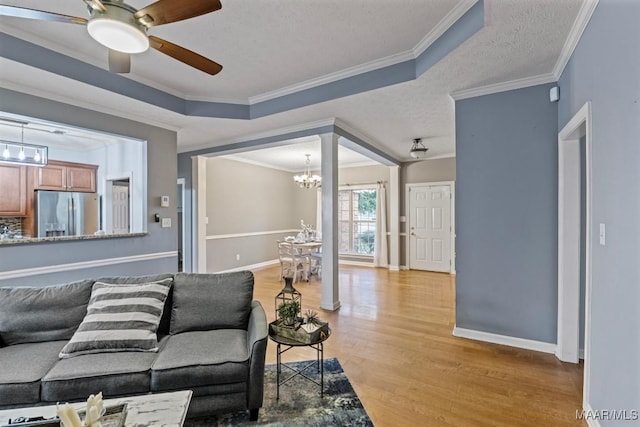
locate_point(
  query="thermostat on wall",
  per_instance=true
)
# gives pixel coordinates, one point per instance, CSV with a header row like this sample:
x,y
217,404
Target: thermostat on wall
x,y
164,201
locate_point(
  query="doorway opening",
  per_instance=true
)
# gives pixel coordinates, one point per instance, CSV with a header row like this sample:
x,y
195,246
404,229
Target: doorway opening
x,y
430,226
574,240
118,212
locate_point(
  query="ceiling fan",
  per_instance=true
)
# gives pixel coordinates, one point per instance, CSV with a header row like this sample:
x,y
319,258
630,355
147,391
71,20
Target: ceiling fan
x,y
123,28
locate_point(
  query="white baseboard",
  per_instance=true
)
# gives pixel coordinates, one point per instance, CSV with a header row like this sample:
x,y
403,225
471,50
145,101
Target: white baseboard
x,y
358,263
251,267
590,422
543,347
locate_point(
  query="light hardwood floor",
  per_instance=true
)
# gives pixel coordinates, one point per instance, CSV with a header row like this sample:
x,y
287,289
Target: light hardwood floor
x,y
392,336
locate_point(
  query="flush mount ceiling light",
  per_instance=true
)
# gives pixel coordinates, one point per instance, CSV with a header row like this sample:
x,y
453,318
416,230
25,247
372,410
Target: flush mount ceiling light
x,y
418,150
306,180
117,28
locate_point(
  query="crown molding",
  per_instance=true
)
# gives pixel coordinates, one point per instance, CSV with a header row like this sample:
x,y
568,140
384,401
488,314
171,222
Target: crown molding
x,y
578,27
504,86
450,18
333,77
7,84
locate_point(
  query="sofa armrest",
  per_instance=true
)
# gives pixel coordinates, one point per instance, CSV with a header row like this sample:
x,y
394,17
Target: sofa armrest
x,y
257,332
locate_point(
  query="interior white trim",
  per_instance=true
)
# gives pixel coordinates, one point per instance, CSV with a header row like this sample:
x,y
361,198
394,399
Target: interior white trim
x,y
333,77
251,266
250,234
146,119
578,27
568,293
452,186
544,347
451,18
590,421
504,86
25,272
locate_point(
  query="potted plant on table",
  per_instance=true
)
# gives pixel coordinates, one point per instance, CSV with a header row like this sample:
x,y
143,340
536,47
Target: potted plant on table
x,y
288,312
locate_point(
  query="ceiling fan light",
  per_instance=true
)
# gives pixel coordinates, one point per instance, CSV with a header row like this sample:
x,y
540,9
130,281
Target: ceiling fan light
x,y
118,35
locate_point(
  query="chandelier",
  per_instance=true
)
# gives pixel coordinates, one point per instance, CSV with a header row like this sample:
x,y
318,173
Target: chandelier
x,y
306,180
21,153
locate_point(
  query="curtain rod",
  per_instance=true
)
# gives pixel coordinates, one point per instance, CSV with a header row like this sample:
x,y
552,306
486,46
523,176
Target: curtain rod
x,y
366,183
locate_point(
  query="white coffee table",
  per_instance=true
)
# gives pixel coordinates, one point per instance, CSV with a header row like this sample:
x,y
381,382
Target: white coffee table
x,y
161,409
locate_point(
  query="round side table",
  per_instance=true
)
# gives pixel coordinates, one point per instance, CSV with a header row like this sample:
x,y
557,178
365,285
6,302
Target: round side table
x,y
286,344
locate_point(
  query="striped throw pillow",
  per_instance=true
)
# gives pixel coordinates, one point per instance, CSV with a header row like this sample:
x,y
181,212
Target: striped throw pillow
x,y
123,317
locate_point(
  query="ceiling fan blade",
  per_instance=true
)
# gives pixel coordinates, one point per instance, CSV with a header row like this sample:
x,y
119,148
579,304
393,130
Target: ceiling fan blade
x,y
185,55
166,11
119,62
40,15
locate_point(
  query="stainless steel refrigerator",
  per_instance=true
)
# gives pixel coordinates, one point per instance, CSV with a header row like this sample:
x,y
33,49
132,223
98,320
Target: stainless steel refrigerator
x,y
61,213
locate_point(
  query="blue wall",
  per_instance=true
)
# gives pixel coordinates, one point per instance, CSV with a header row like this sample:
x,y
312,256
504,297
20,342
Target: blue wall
x,y
506,214
605,70
161,180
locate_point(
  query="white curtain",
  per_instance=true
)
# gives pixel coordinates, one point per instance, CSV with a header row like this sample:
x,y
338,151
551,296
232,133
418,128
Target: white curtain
x,y
380,256
319,212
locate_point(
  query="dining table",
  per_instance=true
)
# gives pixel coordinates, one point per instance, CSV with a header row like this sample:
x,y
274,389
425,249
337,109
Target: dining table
x,y
306,248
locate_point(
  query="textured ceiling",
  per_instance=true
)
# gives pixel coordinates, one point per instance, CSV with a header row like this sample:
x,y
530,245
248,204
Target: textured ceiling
x,y
267,45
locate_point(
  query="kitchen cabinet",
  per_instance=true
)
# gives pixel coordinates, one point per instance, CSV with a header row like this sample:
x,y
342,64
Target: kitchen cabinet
x,y
66,176
13,197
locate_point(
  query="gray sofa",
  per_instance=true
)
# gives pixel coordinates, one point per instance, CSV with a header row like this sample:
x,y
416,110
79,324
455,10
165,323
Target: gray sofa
x,y
212,339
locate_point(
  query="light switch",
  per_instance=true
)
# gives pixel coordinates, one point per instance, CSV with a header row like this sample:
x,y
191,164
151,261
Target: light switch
x,y
166,222
602,235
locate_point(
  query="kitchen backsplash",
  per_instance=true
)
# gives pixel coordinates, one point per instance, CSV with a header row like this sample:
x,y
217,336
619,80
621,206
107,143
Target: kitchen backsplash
x,y
14,224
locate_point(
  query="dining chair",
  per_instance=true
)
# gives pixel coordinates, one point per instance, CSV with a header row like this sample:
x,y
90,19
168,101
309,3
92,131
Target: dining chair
x,y
291,261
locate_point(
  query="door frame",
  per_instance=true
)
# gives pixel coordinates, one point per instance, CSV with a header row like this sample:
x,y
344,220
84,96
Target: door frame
x,y
182,183
568,269
107,224
407,210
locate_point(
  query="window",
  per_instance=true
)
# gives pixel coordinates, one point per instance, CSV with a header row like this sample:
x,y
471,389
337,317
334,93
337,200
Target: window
x,y
357,221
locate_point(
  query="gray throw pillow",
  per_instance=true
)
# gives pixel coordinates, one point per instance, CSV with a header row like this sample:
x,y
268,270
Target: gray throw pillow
x,y
121,317
38,314
204,302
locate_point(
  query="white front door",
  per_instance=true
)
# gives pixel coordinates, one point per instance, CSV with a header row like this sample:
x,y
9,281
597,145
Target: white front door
x,y
120,212
430,228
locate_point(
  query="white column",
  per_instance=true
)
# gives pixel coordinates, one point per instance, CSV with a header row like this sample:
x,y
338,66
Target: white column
x,y
199,217
330,299
394,218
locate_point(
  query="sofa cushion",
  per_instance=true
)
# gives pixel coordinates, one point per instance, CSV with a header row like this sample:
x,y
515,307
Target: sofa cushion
x,y
113,374
38,314
201,358
23,365
163,329
122,317
211,301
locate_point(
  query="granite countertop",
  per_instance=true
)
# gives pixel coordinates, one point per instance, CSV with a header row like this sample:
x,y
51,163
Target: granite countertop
x,y
66,238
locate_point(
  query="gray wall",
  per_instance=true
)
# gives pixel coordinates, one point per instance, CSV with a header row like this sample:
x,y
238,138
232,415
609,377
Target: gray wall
x,y
245,198
506,214
161,180
605,69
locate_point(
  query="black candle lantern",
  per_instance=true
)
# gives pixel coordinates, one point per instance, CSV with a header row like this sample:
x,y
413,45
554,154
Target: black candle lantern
x,y
288,303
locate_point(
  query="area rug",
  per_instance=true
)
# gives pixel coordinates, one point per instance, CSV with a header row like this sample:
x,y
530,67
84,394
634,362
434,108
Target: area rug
x,y
300,403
